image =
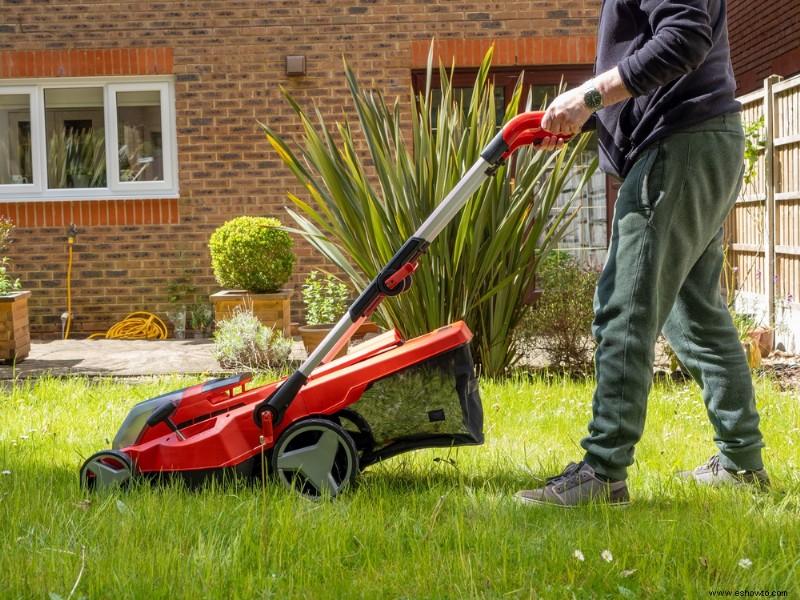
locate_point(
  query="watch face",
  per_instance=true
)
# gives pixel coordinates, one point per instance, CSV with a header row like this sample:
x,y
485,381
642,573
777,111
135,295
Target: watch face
x,y
593,99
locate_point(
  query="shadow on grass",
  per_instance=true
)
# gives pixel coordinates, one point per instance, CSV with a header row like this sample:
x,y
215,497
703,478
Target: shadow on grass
x,y
398,477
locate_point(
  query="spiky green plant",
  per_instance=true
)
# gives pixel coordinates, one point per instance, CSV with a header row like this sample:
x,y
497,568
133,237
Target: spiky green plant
x,y
76,158
360,210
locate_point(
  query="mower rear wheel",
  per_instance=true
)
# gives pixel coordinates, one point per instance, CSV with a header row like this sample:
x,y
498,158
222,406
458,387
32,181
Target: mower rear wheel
x,y
105,469
315,457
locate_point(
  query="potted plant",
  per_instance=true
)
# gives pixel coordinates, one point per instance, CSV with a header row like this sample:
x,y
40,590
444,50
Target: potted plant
x,y
474,271
325,299
243,342
178,292
253,258
15,337
200,315
745,325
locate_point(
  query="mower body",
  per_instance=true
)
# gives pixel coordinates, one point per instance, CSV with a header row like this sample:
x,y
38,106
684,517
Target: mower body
x,y
212,432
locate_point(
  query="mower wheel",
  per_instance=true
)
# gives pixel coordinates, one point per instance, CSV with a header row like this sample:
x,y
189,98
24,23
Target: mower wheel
x,y
315,457
105,469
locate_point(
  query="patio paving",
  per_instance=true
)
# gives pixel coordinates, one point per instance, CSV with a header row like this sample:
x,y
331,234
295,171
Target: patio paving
x,y
119,358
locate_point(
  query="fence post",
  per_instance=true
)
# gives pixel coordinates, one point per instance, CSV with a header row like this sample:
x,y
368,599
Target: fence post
x,y
769,200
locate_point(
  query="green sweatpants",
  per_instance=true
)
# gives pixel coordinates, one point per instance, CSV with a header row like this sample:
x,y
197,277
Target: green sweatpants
x,y
663,273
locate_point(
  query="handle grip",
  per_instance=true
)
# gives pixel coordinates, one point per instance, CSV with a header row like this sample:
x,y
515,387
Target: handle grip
x,y
526,129
523,130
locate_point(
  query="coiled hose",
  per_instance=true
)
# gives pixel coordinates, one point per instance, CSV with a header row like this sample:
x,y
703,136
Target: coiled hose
x,y
139,325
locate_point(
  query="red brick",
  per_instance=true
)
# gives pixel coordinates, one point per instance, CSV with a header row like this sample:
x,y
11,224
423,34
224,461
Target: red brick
x,y
756,43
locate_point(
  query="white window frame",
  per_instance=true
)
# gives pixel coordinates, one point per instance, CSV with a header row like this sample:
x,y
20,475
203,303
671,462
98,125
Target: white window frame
x,y
37,189
34,108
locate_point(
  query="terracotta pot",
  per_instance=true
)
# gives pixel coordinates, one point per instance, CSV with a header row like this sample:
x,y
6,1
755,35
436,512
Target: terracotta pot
x,y
314,334
763,338
366,328
752,352
765,342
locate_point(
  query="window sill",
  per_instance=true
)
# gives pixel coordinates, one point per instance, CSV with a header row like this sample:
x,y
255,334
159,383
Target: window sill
x,y
79,195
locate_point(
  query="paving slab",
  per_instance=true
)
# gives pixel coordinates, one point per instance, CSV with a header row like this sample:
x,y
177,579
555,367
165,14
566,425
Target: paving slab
x,y
119,358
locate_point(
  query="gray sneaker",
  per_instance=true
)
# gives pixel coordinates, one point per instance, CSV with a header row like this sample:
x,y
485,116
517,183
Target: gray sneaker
x,y
713,473
576,486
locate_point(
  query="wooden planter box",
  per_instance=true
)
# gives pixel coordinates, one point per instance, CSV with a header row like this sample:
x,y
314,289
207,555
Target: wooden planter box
x,y
274,310
15,336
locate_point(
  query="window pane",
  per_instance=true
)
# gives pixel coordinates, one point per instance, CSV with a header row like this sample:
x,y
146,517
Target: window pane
x,y
76,149
542,95
15,139
463,95
139,133
585,238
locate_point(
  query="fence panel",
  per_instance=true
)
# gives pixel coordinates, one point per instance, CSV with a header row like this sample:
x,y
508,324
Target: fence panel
x,y
763,231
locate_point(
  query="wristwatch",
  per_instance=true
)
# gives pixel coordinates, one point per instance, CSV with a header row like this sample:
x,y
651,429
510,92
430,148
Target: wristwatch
x,y
592,98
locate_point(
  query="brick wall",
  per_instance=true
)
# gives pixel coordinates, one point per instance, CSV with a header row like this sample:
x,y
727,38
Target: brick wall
x,y
228,59
765,40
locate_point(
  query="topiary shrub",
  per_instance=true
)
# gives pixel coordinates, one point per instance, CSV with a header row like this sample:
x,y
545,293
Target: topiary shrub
x,y
559,325
253,254
242,342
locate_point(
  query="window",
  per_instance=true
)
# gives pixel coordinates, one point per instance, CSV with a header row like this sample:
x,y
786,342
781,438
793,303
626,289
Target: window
x,y
587,236
81,138
16,166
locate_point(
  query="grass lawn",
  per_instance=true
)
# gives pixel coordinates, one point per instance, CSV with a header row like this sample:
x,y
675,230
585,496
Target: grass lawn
x,y
426,524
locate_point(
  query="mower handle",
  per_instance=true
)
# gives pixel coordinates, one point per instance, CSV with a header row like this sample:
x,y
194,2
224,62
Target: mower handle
x,y
523,130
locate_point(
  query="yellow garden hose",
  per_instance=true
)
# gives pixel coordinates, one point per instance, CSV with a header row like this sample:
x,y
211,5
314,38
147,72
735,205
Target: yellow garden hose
x,y
139,325
70,242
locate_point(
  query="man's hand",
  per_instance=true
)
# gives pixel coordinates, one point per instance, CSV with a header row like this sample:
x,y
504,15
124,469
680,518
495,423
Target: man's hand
x,y
567,113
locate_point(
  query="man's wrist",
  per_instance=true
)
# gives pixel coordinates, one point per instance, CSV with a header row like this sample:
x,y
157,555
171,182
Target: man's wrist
x,y
611,87
592,98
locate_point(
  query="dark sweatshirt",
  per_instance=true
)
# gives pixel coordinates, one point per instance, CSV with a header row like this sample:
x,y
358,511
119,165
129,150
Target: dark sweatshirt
x,y
674,58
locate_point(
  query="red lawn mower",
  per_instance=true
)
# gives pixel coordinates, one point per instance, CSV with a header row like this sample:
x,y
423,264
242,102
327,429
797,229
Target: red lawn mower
x,y
331,417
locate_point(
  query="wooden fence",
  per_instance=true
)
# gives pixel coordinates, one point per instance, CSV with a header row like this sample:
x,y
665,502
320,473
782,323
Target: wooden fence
x,y
763,231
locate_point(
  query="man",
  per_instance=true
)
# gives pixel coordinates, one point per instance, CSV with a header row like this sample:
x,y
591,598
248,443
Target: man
x,y
669,126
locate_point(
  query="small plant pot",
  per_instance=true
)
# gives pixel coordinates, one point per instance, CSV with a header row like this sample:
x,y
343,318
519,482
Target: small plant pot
x,y
752,352
762,337
314,334
178,318
366,328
